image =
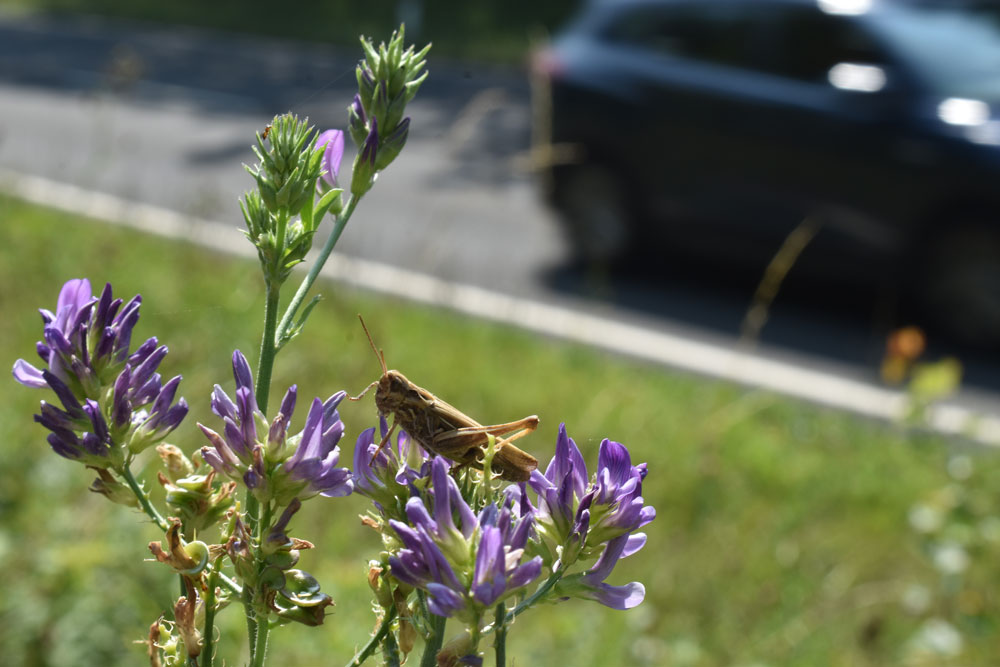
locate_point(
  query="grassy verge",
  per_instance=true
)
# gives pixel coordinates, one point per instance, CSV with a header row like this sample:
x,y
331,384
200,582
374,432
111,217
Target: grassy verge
x,y
493,31
781,536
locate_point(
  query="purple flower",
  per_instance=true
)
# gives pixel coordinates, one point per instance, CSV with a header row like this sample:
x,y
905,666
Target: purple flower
x,y
572,514
85,349
590,584
384,474
576,520
468,566
261,454
333,143
313,463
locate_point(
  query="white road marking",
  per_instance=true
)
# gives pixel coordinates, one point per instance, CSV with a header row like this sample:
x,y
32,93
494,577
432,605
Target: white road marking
x,y
738,366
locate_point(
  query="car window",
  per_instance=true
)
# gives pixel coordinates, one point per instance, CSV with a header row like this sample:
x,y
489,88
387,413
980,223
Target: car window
x,y
720,34
807,43
955,48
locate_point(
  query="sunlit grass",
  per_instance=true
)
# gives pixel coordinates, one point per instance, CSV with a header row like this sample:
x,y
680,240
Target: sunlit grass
x,y
781,534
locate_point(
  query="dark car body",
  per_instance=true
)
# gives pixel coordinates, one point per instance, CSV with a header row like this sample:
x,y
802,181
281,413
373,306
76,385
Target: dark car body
x,y
721,125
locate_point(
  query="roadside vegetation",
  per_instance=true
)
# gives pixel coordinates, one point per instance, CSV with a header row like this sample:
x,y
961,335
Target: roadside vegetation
x,y
783,532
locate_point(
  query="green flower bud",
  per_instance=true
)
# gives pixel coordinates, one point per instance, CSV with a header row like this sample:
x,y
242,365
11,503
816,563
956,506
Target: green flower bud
x,y
112,489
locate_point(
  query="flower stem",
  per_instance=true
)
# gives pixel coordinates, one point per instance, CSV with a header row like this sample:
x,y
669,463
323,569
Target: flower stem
x,y
261,628
143,498
267,351
376,639
390,650
535,597
265,366
324,254
260,647
434,641
500,641
209,633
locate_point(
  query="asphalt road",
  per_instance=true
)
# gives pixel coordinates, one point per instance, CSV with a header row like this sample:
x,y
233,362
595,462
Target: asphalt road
x,y
166,117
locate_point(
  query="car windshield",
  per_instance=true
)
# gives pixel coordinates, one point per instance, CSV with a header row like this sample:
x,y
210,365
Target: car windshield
x,y
955,49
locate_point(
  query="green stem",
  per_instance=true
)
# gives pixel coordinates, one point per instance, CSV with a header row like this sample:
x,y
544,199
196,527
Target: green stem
x,y
376,639
434,641
228,583
265,366
390,651
266,362
262,628
535,597
260,646
209,633
307,282
143,499
500,641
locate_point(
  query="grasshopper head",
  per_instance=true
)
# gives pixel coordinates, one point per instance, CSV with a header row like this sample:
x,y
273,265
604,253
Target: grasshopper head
x,y
391,392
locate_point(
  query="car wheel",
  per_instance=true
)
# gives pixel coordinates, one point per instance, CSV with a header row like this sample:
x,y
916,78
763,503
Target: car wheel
x,y
595,213
961,289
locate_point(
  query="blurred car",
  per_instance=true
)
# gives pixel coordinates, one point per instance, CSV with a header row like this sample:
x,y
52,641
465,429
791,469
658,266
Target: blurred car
x,y
720,125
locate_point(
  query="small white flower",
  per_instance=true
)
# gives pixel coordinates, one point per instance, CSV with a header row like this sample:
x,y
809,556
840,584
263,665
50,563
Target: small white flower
x,y
950,558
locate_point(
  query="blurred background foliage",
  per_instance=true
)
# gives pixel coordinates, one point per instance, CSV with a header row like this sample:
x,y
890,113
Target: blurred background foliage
x,y
782,535
489,30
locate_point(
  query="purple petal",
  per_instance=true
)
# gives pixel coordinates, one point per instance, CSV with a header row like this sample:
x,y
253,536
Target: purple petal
x,y
567,461
213,459
609,558
329,440
363,475
409,537
614,457
443,496
520,536
418,515
124,323
406,568
619,597
74,294
370,148
166,396
525,573
336,483
146,369
443,601
64,447
142,352
288,403
172,418
102,312
246,407
333,140
310,444
235,441
222,405
28,375
241,371
489,557
69,401
635,542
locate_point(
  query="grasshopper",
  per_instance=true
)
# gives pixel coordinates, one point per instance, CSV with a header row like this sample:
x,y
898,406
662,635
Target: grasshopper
x,y
444,430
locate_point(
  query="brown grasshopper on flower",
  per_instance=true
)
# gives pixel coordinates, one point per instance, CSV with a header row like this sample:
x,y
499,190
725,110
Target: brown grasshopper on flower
x,y
442,429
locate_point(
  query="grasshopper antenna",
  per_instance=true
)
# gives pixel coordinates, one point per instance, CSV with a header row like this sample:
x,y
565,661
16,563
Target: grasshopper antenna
x,y
379,354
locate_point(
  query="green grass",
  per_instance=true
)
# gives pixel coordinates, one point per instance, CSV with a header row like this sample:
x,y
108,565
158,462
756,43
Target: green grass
x,y
491,31
781,536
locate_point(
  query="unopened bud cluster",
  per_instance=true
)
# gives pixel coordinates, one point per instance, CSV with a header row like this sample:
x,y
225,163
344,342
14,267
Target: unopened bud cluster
x,y
281,214
388,79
